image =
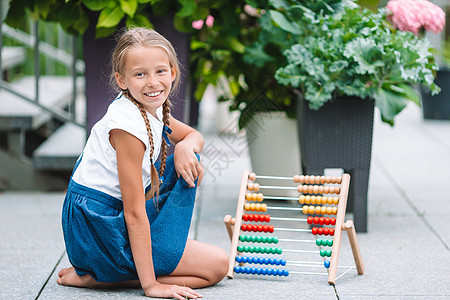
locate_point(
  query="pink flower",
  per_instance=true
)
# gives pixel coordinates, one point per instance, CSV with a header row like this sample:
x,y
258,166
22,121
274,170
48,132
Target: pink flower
x,y
197,24
209,21
412,15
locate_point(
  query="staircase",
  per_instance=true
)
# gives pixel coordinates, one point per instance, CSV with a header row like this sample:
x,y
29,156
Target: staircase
x,y
42,118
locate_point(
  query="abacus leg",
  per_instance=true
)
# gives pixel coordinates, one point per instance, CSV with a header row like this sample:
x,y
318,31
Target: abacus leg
x,y
229,226
351,232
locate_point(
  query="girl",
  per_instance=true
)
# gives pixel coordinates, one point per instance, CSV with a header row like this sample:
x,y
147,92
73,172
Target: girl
x,y
125,218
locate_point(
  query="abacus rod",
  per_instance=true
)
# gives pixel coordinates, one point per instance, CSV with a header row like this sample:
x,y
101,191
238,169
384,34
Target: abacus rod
x,y
280,198
284,208
292,229
288,219
277,187
307,273
299,241
300,251
274,177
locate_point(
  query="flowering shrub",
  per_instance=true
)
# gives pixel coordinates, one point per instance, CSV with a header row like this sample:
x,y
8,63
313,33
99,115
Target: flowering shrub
x,y
416,15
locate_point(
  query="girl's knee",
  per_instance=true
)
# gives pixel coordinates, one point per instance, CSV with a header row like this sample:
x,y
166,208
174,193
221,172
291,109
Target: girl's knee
x,y
220,266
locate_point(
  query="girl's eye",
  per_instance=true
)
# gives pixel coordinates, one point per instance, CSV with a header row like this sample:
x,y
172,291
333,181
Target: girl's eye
x,y
140,74
162,71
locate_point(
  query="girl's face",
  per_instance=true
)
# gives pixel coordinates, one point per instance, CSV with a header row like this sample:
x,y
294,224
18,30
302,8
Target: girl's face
x,y
148,76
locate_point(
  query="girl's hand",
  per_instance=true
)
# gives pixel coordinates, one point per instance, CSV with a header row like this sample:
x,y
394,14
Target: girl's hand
x,y
159,290
187,164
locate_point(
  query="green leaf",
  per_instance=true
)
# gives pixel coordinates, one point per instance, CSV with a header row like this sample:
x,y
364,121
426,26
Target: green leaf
x,y
284,23
389,104
101,32
96,5
42,7
110,17
82,24
129,6
187,9
139,20
16,16
365,52
68,15
278,3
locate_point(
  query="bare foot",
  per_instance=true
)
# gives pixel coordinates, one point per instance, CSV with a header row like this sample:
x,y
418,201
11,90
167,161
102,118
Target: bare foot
x,y
68,276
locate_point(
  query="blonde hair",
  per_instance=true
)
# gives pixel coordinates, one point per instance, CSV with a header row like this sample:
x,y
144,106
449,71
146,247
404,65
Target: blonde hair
x,y
145,37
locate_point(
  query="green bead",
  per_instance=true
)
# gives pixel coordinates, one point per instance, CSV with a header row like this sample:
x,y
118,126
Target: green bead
x,y
267,250
322,252
269,239
258,239
319,242
245,249
275,240
251,249
264,239
257,249
279,250
330,243
242,238
252,239
240,249
273,250
328,253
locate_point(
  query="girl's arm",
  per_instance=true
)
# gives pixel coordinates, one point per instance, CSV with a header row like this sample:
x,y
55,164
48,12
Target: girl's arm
x,y
188,142
130,153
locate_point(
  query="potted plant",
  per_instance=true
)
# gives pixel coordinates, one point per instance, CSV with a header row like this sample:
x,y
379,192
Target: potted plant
x,y
343,64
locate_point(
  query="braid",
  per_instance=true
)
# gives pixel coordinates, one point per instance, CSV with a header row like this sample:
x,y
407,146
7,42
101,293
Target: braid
x,y
166,113
154,174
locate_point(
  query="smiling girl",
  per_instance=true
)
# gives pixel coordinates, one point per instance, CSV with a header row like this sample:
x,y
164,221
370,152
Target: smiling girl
x,y
126,218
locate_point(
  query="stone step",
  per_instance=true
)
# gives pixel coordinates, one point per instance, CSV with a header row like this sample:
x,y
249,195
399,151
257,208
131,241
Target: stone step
x,y
55,92
12,56
61,150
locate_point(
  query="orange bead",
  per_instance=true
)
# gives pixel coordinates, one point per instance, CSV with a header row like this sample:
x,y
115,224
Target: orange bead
x,y
336,200
301,199
252,176
311,210
322,179
264,207
248,196
334,210
339,180
250,186
323,210
296,178
305,209
329,210
256,187
316,189
337,190
260,197
307,199
301,179
247,206
313,199
316,179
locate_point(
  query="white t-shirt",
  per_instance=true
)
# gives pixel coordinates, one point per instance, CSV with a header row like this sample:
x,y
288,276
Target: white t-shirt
x,y
98,166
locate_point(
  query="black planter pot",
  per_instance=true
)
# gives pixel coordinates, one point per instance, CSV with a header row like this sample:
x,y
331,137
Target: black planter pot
x,y
339,135
438,106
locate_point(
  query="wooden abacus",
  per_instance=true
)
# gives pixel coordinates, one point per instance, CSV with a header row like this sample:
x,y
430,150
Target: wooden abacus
x,y
311,189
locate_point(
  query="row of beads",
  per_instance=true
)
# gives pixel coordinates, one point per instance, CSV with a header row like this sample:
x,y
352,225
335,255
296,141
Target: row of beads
x,y
325,253
310,179
259,239
325,243
254,197
257,249
261,271
255,207
319,210
256,218
307,199
321,220
322,231
318,189
257,228
253,186
261,260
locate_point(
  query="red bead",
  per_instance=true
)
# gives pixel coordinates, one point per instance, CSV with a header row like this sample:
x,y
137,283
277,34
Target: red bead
x,y
256,218
245,217
251,217
314,230
321,220
325,231
267,218
316,220
265,228
327,221
255,228
260,228
320,231
331,231
271,228
309,220
244,227
333,221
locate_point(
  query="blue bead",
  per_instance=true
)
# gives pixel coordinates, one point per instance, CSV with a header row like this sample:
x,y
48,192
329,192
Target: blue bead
x,y
326,263
258,271
237,269
239,259
271,261
263,271
253,270
247,270
280,272
266,261
277,261
244,259
283,262
269,271
261,260
285,272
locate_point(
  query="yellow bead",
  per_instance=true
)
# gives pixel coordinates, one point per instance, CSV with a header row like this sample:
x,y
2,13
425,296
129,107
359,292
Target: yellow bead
x,y
305,209
311,210
323,210
308,199
247,206
336,200
263,207
252,206
260,197
313,200
334,210
248,196
318,210
301,199
329,210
